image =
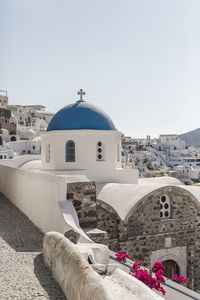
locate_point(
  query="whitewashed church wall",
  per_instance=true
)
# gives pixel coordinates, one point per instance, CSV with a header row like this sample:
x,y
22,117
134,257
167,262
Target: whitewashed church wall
x,y
105,176
116,176
85,147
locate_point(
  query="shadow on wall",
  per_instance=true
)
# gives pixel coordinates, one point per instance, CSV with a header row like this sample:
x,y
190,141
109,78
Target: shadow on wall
x,y
46,280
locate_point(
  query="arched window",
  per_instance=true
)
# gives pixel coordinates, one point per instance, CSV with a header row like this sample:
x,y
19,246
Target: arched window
x,y
100,153
70,151
13,139
164,207
171,268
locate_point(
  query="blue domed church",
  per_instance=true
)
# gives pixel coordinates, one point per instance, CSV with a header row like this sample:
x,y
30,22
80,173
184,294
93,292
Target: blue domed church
x,y
81,137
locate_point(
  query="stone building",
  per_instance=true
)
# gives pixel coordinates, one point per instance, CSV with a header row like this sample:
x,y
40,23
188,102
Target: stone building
x,y
7,122
7,126
3,98
156,220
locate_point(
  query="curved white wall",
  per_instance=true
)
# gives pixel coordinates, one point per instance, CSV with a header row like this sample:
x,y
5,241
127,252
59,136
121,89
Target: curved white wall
x,y
80,282
70,269
42,198
19,161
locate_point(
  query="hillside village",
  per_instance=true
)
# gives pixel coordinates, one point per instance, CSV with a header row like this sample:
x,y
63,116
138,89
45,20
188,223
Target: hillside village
x,y
99,150
21,126
100,192
167,155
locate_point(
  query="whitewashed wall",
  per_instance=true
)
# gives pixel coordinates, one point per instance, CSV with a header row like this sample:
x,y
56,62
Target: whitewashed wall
x,y
42,198
70,269
65,259
19,161
86,145
28,146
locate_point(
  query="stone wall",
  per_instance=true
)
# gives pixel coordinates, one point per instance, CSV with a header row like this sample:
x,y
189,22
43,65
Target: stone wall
x,y
98,236
108,219
10,127
83,196
144,232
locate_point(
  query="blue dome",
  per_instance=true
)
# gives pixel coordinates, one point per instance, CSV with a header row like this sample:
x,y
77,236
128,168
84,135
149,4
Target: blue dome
x,y
81,115
130,151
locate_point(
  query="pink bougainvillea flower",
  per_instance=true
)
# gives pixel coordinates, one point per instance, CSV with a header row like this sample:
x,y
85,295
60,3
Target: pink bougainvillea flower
x,y
180,279
121,257
158,266
146,276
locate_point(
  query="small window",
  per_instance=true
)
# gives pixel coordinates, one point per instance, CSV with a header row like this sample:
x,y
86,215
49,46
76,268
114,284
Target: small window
x,y
33,147
13,139
70,151
100,153
164,207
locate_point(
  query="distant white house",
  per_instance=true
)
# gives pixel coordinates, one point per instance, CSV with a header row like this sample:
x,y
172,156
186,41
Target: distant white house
x,y
170,141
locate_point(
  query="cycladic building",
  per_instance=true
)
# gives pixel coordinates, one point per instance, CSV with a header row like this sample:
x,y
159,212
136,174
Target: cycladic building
x,y
82,137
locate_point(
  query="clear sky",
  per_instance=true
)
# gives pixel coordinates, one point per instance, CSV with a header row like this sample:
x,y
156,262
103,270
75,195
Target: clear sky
x,y
139,60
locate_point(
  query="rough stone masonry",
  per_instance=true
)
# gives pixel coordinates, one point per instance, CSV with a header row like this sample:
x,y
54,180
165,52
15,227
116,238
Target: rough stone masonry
x,y
143,233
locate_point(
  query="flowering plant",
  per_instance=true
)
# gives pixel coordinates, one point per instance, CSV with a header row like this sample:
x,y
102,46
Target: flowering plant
x,y
154,282
180,279
143,275
121,257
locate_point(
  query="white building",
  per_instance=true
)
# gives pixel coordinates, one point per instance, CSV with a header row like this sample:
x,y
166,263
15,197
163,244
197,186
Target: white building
x,y
23,147
170,141
83,138
3,98
27,115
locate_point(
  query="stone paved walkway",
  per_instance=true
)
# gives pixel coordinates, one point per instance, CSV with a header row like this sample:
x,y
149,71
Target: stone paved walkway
x,y
23,274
